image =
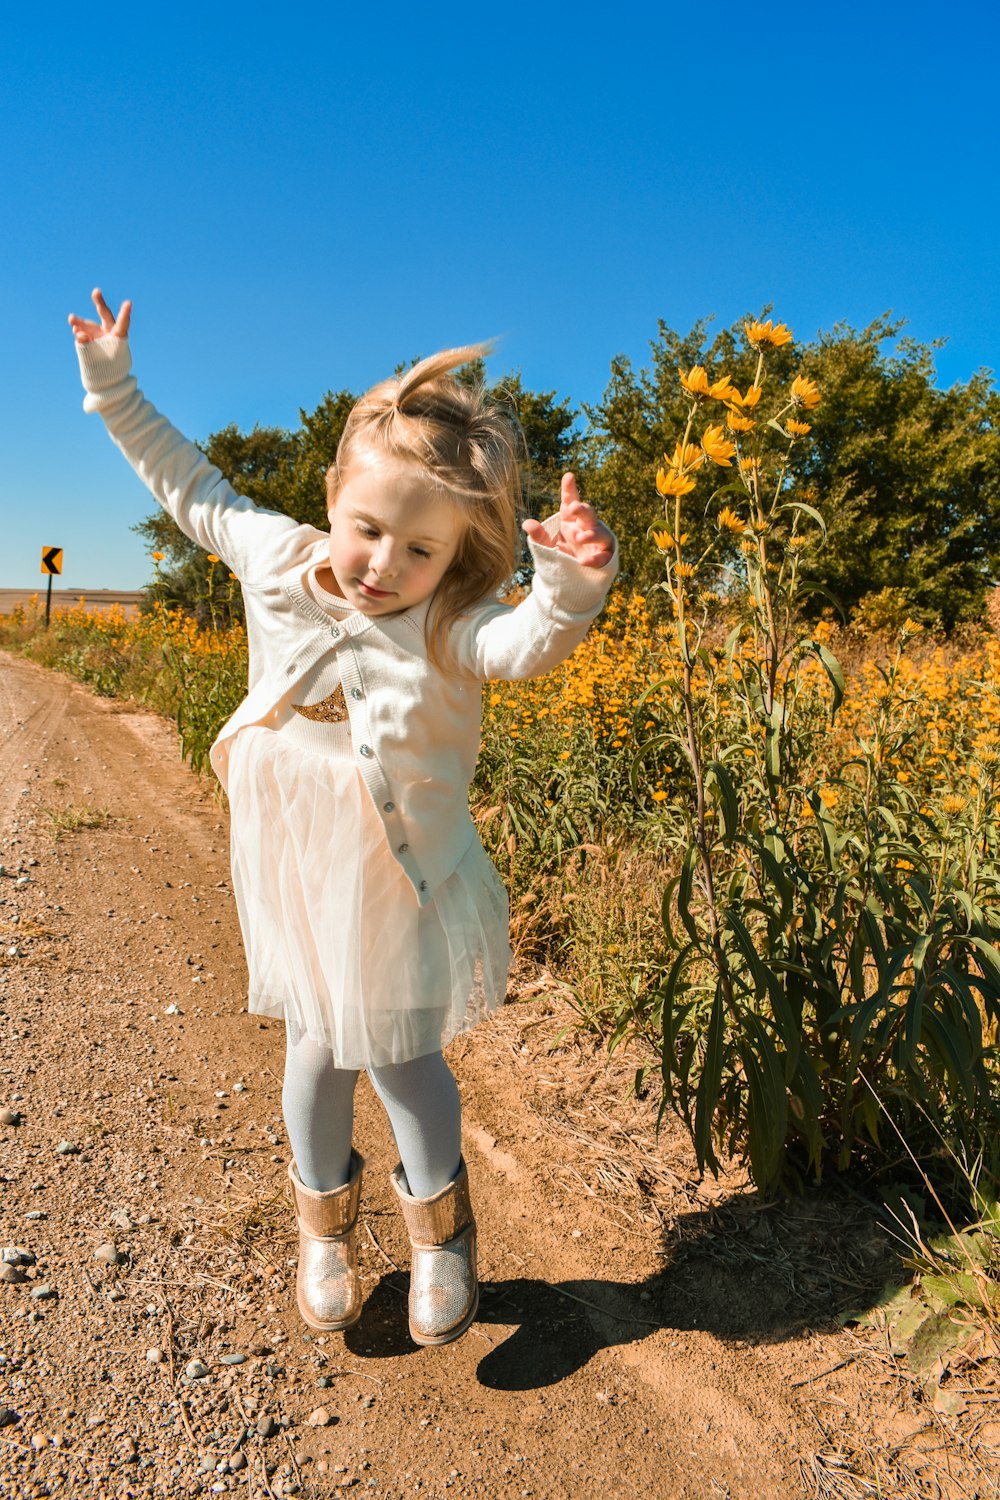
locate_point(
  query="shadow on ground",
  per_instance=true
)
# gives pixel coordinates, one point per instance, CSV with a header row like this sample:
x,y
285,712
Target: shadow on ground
x,y
747,1270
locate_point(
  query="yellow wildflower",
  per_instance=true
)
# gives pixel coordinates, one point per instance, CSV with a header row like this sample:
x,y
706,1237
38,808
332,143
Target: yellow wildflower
x,y
952,804
764,335
659,795
753,395
718,447
685,570
730,521
662,539
696,381
212,557
748,546
798,429
670,482
805,392
686,456
737,423
157,556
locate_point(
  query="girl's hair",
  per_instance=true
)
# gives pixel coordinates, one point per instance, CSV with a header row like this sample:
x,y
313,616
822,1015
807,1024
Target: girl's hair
x,y
470,447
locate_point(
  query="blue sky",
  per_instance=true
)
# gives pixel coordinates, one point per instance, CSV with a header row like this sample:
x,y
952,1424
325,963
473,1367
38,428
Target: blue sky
x,y
299,197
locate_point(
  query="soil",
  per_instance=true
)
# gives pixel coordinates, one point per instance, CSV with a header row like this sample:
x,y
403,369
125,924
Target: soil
x,y
640,1332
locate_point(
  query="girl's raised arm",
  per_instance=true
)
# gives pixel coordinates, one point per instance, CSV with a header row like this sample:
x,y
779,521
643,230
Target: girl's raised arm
x,y
85,330
192,490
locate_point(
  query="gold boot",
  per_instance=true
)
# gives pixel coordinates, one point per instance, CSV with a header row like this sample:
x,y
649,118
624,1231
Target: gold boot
x,y
327,1288
444,1292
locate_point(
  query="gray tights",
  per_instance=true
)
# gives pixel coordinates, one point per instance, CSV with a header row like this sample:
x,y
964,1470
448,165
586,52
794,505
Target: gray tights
x,y
420,1098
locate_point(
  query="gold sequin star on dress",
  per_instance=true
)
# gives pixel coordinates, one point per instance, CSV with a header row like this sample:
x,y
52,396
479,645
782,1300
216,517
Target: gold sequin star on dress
x,y
331,710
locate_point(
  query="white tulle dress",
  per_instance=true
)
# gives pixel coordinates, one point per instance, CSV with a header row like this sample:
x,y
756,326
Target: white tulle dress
x,y
337,943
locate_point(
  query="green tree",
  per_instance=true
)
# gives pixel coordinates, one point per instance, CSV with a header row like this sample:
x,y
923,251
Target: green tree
x,y
907,476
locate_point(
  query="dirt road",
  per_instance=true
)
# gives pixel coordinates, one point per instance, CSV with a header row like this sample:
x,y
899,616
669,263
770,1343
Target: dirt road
x,y
149,1343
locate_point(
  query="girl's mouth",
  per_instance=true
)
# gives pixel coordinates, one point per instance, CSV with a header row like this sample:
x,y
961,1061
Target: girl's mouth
x,y
371,593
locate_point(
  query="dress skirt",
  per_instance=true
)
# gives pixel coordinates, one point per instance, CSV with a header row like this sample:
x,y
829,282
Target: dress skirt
x,y
337,943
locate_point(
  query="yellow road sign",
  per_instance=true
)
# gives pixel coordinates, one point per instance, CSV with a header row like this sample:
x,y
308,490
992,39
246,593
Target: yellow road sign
x,y
52,560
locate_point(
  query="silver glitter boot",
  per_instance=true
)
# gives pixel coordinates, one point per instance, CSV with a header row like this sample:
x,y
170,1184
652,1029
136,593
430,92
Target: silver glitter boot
x,y
444,1292
326,1287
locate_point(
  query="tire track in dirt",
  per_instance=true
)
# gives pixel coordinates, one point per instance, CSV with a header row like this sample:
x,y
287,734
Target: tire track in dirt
x,y
124,1033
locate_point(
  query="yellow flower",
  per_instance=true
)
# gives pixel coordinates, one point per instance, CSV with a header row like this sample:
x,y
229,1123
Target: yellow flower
x,y
952,804
828,796
748,546
736,423
730,521
685,570
798,429
212,557
762,335
805,392
689,456
157,556
696,381
753,395
669,482
660,796
663,540
798,542
718,447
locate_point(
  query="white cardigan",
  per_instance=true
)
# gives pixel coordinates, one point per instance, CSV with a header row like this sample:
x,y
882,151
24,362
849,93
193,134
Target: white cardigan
x,y
415,729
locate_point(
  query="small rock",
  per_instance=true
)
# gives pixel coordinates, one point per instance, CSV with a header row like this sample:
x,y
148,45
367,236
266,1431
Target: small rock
x,y
154,1356
321,1417
121,1220
233,1359
39,1441
324,1382
21,882
16,1255
109,1254
239,1088
9,1117
43,1292
173,1010
238,1461
266,1426
36,1213
67,1148
116,1294
10,1275
195,1369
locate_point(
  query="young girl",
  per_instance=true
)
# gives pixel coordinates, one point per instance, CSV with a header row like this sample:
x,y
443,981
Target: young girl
x,y
374,921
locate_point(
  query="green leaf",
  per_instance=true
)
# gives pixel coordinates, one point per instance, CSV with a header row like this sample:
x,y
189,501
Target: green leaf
x,y
834,672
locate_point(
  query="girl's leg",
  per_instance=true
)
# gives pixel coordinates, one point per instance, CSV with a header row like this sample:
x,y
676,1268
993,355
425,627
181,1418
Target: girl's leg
x,y
421,1100
317,1101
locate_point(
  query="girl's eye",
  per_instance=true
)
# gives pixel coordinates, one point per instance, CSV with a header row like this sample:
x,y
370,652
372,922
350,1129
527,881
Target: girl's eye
x,y
420,552
368,531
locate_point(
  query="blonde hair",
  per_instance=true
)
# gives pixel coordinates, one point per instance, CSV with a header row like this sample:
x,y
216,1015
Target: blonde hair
x,y
470,447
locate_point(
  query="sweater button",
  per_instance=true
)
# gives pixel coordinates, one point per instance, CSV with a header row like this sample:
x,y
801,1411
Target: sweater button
x,y
388,807
366,750
335,631
356,693
423,885
403,849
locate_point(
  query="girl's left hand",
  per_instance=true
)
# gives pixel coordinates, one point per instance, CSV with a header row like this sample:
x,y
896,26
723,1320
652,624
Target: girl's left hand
x,y
581,534
85,330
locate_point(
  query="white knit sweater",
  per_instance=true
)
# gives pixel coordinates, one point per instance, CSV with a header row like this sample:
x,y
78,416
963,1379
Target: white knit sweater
x,y
415,730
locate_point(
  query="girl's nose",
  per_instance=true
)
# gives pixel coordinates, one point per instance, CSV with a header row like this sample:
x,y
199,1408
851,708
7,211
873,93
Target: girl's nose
x,y
384,558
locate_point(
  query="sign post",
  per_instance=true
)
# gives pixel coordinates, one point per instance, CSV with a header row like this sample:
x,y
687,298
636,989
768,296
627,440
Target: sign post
x,y
51,563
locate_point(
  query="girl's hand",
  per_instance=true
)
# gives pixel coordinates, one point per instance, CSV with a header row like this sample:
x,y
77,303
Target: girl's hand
x,y
85,330
581,534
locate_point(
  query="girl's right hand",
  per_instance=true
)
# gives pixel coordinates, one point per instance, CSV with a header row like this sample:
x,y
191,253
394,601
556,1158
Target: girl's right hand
x,y
85,330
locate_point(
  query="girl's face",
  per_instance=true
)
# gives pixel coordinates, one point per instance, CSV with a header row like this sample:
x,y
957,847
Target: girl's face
x,y
392,537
